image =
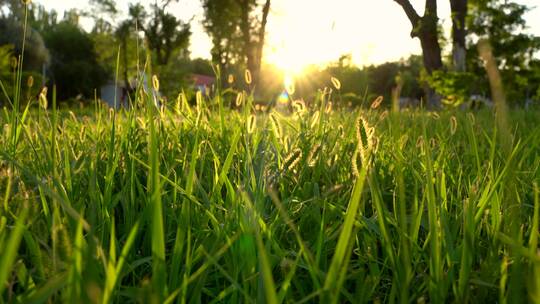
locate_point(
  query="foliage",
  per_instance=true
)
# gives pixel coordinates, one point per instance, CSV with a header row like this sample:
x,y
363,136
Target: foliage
x,y
176,75
6,54
503,23
353,79
8,79
382,78
164,33
74,67
238,31
456,87
36,54
40,19
222,23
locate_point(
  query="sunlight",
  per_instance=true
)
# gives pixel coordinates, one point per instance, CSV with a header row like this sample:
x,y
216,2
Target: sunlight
x,y
289,61
288,82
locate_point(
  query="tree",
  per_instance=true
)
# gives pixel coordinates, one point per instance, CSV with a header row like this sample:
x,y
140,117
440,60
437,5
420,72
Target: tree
x,y
459,10
41,19
253,33
35,53
122,33
15,10
103,12
238,31
503,24
222,21
164,33
382,78
426,29
352,78
74,65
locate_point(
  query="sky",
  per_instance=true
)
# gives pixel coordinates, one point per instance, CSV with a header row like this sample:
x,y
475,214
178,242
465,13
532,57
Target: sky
x,y
306,32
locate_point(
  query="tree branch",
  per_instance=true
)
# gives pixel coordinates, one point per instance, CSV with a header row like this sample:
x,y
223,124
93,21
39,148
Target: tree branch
x,y
413,16
262,30
410,11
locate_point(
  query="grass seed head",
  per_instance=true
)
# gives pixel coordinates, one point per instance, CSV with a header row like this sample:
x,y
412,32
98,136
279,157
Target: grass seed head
x,y
292,159
453,125
328,109
435,115
43,98
30,81
383,115
354,164
336,83
142,95
362,132
239,99
252,120
313,154
276,126
377,102
230,79
366,140
247,76
155,83
341,131
299,106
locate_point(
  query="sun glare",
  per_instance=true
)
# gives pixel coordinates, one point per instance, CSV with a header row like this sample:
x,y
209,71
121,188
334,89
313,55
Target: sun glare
x,y
289,61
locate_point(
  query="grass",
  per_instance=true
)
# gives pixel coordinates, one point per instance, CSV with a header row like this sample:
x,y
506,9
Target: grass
x,y
205,204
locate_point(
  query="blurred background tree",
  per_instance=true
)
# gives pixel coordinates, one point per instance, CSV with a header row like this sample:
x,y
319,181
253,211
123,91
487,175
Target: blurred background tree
x,y
238,31
74,66
503,23
35,55
80,61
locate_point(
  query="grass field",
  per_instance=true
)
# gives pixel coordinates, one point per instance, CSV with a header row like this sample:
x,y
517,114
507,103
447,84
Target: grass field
x,y
204,205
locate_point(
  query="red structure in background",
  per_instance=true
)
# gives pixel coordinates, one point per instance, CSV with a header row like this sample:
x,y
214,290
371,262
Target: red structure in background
x,y
203,83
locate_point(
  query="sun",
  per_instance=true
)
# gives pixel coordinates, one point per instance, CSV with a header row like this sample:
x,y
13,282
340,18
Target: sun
x,y
288,60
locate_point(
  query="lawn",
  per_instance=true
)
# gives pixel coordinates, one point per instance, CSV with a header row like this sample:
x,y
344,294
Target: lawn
x,y
205,204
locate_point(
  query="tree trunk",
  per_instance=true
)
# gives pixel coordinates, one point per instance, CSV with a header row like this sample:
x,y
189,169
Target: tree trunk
x,y
431,51
459,32
260,43
253,50
245,29
425,28
431,48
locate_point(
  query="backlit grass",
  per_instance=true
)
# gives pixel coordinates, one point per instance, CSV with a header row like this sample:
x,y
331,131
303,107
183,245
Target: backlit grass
x,y
202,204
